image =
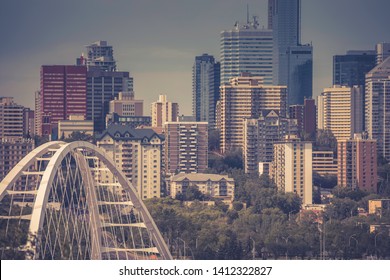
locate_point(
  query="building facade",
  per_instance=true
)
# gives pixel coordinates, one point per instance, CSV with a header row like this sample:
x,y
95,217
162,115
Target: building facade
x,y
246,97
13,150
63,93
340,111
186,147
325,163
246,48
215,186
138,153
260,135
205,88
75,123
163,111
292,168
377,105
11,118
293,62
350,69
357,164
382,52
100,54
306,117
103,87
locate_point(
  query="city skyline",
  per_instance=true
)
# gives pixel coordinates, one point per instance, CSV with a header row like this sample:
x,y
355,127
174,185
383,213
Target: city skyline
x,y
157,42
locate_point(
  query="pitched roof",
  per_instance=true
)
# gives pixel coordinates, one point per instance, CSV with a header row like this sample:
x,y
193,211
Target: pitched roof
x,y
200,177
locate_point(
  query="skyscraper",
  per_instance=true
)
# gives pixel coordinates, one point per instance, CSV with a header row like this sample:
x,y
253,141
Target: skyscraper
x,y
246,97
377,107
63,93
102,55
163,111
293,62
340,111
205,88
246,48
102,87
351,69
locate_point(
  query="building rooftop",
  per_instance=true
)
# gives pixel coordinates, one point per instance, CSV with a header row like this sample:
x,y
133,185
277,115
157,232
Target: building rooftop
x,y
123,132
200,177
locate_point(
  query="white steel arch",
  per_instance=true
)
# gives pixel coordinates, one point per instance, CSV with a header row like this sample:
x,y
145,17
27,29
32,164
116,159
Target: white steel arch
x,y
97,231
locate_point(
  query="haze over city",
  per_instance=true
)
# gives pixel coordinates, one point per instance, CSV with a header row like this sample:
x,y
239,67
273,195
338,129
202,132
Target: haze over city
x,y
157,41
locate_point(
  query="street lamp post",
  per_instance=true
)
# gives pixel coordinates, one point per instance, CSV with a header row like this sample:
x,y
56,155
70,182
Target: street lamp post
x,y
376,252
286,239
184,251
253,248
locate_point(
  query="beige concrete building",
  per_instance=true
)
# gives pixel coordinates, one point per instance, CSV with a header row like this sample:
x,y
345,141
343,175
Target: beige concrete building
x,y
76,123
357,164
126,105
11,118
325,163
163,111
138,153
292,168
340,110
216,186
245,97
186,147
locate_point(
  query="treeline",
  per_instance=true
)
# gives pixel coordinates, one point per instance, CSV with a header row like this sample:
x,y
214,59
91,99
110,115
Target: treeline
x,y
264,223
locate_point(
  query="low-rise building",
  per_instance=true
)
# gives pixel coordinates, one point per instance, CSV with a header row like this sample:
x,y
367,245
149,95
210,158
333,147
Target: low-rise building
x,y
377,206
213,185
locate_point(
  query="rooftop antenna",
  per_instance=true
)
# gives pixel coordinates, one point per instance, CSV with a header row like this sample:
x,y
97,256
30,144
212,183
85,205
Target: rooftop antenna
x,y
247,13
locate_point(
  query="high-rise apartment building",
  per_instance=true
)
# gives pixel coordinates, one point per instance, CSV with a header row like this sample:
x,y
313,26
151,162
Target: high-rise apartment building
x,y
246,48
246,97
377,107
63,93
293,62
357,164
205,88
138,153
11,118
261,134
163,111
340,111
101,54
186,147
382,52
292,168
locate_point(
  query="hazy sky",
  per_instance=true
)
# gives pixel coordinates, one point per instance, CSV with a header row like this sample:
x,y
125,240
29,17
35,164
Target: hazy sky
x,y
157,41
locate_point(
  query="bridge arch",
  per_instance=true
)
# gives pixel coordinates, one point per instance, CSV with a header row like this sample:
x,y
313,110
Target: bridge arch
x,y
63,187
